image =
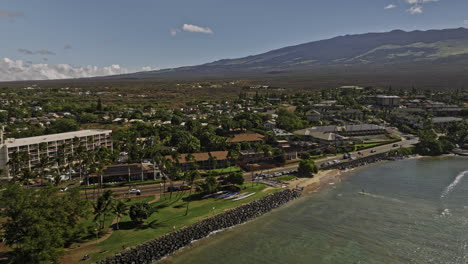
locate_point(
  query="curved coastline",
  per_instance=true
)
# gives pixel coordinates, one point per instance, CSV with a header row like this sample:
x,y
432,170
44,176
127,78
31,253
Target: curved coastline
x,y
169,244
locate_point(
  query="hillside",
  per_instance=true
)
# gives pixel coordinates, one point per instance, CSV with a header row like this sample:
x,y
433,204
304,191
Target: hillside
x,y
429,51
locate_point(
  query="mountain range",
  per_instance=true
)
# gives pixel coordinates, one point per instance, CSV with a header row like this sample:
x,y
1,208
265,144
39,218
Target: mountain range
x,y
398,52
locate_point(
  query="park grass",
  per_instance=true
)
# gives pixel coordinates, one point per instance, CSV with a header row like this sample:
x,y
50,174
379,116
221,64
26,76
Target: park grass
x,y
285,178
90,225
169,214
375,144
222,171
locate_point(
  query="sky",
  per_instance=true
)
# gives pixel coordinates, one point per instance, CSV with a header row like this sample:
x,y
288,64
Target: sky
x,y
54,39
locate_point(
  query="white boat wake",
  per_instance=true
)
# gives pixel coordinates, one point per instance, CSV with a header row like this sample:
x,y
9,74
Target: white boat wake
x,y
457,180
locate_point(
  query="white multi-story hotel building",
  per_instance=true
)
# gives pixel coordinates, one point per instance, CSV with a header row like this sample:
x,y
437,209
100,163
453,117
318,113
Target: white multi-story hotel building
x,y
52,146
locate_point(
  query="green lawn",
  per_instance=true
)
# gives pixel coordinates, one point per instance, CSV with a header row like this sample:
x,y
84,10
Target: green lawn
x,y
170,213
222,171
374,144
285,178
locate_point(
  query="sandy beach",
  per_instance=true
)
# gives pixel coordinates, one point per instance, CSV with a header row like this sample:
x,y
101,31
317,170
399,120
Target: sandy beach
x,y
328,177
319,179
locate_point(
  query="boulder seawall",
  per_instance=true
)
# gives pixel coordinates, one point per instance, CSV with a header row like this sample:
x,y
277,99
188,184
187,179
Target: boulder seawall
x,y
161,247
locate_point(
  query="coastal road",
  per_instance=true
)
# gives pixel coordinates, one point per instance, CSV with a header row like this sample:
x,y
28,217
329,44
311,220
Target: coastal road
x,y
363,153
150,189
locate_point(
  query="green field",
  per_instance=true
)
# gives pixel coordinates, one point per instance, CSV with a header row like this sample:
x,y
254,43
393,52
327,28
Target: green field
x,y
169,214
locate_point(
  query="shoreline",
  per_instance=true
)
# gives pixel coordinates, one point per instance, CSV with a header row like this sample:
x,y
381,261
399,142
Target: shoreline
x,y
310,185
332,176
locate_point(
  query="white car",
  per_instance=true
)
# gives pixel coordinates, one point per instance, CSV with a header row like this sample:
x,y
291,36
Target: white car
x,y
134,191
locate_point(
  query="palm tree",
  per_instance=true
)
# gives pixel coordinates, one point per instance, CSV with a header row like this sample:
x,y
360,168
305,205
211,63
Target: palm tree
x,y
44,162
191,177
189,158
27,175
102,208
233,155
14,162
119,209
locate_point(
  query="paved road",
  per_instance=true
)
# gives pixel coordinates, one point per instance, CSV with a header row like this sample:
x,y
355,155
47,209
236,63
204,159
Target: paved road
x,y
150,189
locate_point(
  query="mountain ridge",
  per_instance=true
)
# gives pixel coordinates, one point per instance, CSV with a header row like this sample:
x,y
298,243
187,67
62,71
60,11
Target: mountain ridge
x,y
433,50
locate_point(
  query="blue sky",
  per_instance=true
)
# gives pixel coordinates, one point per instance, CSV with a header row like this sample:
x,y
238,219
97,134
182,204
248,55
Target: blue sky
x,y
136,34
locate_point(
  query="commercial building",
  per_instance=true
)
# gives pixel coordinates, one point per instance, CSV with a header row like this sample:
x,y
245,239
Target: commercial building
x,y
338,135
51,146
203,161
125,173
388,100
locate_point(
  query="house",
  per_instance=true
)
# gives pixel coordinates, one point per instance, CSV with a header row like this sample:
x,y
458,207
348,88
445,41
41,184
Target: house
x,y
352,114
313,116
270,124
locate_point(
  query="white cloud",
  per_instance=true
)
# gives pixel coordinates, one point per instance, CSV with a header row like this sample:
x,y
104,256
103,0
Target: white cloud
x,y
417,5
390,6
415,10
174,31
15,70
196,29
414,2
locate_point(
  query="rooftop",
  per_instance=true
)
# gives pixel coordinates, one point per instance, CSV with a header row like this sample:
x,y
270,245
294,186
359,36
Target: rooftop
x,y
327,129
16,142
246,137
204,156
446,119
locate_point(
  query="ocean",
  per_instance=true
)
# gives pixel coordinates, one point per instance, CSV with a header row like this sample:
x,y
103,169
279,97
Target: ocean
x,y
408,211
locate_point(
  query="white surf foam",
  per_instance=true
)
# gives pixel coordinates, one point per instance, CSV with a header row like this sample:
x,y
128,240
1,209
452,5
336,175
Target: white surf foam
x,y
455,182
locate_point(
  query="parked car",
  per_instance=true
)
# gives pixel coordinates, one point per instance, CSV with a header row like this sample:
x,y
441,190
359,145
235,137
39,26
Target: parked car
x,y
373,151
395,145
134,191
184,187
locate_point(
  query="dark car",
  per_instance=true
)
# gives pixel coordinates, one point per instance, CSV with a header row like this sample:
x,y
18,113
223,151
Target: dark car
x,y
173,189
395,145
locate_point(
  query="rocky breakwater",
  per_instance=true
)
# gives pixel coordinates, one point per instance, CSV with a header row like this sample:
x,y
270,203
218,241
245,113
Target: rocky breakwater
x,y
367,160
154,250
